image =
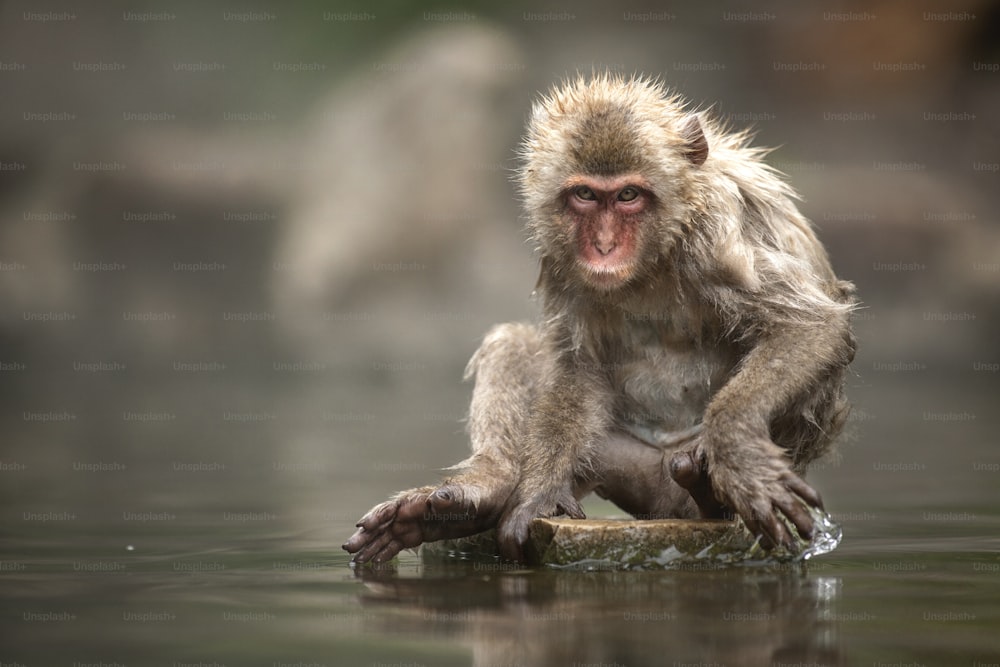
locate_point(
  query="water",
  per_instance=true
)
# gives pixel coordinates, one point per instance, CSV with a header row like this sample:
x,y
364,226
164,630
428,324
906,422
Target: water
x,y
202,541
231,597
827,535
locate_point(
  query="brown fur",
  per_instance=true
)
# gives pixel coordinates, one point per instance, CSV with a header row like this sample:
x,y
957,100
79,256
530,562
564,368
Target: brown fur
x,y
720,356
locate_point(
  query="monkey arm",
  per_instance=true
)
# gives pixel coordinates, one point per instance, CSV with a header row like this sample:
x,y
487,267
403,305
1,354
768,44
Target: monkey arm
x,y
749,472
779,368
568,418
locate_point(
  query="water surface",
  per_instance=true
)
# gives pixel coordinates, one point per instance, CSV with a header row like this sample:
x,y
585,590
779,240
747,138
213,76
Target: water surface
x,y
213,540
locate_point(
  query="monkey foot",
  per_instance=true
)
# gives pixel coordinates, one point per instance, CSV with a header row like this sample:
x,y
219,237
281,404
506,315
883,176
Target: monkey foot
x,y
421,515
512,533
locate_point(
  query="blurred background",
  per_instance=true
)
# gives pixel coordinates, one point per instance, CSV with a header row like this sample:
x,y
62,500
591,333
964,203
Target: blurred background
x,y
247,248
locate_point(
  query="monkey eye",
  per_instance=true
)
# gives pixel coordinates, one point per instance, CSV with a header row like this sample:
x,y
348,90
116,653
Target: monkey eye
x,y
585,193
628,194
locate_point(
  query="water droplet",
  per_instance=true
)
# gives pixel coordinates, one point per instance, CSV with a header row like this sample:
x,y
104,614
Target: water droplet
x,y
827,534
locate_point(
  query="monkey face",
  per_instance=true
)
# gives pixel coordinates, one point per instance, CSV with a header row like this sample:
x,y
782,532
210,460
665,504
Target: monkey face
x,y
609,169
606,216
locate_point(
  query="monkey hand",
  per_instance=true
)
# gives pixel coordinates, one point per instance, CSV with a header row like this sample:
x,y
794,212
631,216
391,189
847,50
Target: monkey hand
x,y
421,515
754,481
512,532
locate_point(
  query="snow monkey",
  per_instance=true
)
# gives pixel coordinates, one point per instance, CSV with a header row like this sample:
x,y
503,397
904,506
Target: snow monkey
x,y
693,348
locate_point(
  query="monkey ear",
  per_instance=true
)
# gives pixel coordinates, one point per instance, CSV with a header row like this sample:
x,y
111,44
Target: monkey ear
x,y
695,143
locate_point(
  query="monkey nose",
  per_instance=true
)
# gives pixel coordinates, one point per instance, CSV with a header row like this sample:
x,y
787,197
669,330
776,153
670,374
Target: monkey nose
x,y
605,247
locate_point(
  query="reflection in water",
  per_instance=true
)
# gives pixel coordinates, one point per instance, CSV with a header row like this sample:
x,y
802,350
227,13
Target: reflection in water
x,y
240,565
782,614
242,595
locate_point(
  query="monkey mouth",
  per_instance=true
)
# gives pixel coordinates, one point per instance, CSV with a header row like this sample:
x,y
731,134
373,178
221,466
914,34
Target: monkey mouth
x,y
607,276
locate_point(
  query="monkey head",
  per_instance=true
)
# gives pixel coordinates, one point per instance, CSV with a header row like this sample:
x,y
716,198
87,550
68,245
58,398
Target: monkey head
x,y
607,169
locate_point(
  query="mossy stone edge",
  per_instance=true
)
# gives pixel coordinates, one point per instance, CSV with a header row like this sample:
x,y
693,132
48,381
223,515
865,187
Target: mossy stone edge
x,y
613,542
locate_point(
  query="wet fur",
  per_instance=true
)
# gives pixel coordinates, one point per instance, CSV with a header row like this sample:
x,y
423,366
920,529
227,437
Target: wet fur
x,y
730,340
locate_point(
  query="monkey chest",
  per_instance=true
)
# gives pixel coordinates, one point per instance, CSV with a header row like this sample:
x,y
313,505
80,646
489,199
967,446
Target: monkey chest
x,y
668,385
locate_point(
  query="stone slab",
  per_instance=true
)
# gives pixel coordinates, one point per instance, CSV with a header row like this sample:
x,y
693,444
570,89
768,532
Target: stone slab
x,y
611,543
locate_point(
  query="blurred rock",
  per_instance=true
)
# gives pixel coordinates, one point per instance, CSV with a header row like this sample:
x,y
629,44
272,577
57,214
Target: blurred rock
x,y
403,222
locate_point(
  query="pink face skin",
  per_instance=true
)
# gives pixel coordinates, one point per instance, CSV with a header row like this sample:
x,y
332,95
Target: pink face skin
x,y
607,212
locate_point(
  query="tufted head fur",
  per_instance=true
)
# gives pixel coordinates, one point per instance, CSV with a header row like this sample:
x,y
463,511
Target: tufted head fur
x,y
723,223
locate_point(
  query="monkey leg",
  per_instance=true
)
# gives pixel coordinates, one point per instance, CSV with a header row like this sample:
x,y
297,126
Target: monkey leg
x,y
638,472
472,500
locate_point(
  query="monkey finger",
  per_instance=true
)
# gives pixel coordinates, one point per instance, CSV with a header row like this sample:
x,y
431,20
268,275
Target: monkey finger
x,y
766,525
777,531
684,469
511,550
412,509
511,536
388,552
758,532
690,475
798,486
797,514
372,549
571,508
379,517
355,542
